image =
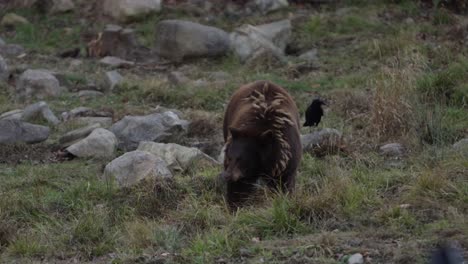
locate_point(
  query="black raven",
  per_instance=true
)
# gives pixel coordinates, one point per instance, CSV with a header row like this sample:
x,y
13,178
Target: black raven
x,y
314,113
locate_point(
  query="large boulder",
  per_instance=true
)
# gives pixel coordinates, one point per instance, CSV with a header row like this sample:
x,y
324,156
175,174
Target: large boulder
x,y
37,84
126,10
176,156
133,167
322,142
249,42
177,39
101,143
131,130
16,131
4,72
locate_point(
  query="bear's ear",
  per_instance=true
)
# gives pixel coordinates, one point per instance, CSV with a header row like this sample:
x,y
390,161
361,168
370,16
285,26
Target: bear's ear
x,y
235,132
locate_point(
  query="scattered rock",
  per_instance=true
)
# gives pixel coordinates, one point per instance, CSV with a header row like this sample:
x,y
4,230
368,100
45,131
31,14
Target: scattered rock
x,y
176,156
461,146
133,167
115,62
62,6
392,150
89,94
250,42
125,10
13,20
13,114
4,73
177,78
78,134
84,112
219,76
113,79
101,143
41,108
309,56
266,6
118,42
105,122
16,131
37,84
11,50
322,142
177,40
131,130
356,259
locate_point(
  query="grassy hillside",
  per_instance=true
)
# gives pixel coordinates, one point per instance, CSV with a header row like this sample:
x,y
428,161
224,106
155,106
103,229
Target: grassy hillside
x,y
393,72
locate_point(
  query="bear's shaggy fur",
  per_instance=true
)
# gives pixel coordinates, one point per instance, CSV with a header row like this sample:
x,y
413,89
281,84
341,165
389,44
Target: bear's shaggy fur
x,y
261,132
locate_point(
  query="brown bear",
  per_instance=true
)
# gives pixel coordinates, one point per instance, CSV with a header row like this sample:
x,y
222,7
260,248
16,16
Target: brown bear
x,y
261,133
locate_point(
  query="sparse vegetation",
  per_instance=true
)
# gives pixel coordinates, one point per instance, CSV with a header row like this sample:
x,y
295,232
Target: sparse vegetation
x,y
388,80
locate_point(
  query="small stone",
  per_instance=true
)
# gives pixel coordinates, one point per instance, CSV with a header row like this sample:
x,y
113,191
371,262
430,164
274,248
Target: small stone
x,y
113,79
461,146
13,114
75,63
115,62
392,150
2,42
124,10
310,56
62,6
12,20
219,76
4,72
356,259
37,84
11,50
101,143
134,167
322,142
41,108
266,6
177,78
89,94
105,122
77,134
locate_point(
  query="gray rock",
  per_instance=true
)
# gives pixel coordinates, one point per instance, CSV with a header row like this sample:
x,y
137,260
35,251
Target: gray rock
x,y
84,112
219,76
40,109
177,40
392,150
309,56
77,134
101,143
133,167
356,259
76,63
124,10
322,142
105,122
37,84
113,79
13,114
176,156
16,131
62,6
115,62
11,50
461,146
2,42
266,6
177,78
249,42
4,72
12,20
131,130
89,94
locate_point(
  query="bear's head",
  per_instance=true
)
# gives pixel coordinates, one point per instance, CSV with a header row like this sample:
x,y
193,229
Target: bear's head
x,y
246,155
